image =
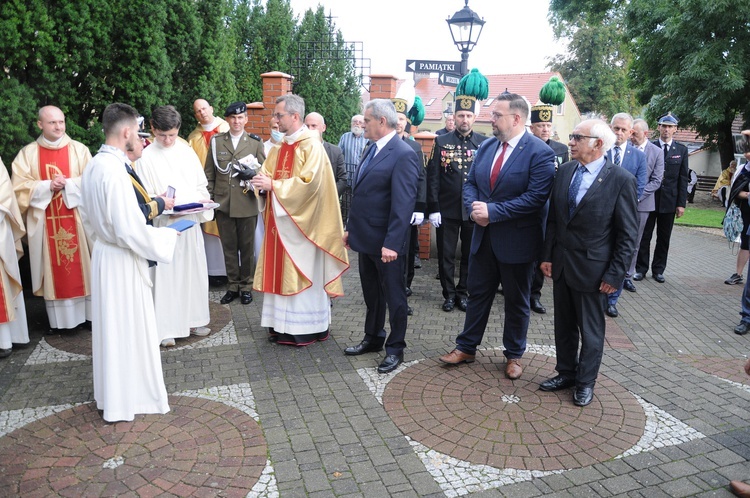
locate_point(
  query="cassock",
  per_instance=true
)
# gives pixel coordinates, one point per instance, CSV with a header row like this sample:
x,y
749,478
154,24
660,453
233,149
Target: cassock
x,y
199,139
303,256
180,288
128,377
59,253
13,326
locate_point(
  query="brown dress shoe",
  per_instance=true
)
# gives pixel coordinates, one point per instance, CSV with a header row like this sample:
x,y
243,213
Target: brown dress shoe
x,y
513,369
740,489
456,357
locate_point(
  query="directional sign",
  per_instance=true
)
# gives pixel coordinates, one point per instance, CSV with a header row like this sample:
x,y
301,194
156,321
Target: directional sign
x,y
449,79
417,66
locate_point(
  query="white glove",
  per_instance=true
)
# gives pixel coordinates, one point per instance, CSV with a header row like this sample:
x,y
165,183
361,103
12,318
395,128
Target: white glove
x,y
417,219
435,219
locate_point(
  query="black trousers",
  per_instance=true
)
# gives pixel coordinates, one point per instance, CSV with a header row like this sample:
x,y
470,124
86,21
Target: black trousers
x,y
448,234
579,316
663,223
383,287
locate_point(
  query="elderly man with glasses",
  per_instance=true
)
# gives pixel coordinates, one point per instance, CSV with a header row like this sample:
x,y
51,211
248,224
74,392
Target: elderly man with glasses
x,y
591,232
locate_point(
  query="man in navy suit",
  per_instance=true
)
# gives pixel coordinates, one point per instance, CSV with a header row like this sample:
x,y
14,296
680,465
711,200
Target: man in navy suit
x,y
591,231
508,185
383,198
624,154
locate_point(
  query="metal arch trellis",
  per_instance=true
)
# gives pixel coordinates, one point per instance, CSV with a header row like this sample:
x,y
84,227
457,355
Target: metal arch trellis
x,y
330,50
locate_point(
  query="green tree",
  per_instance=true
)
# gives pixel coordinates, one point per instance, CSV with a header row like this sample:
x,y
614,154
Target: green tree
x,y
596,65
693,58
325,72
263,39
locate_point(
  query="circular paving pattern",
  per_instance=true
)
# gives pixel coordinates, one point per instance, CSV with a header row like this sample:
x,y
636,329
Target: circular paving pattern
x,y
473,413
200,448
78,340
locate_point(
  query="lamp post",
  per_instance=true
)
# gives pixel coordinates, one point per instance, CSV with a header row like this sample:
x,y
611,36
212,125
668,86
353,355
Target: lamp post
x,y
465,26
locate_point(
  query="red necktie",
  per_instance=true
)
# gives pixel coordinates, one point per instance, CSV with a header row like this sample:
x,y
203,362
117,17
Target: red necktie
x,y
497,166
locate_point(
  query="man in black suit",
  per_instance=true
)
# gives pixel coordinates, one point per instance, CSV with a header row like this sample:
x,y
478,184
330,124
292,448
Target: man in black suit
x,y
670,201
505,194
315,121
541,128
405,109
591,232
383,198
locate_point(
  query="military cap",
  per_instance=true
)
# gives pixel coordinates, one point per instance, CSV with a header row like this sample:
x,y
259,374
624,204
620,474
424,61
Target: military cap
x,y
236,108
668,119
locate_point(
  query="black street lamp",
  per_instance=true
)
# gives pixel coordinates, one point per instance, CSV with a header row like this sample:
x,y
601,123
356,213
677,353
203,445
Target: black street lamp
x,y
465,26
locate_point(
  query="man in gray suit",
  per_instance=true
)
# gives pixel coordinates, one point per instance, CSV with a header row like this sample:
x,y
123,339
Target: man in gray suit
x,y
591,231
229,185
646,201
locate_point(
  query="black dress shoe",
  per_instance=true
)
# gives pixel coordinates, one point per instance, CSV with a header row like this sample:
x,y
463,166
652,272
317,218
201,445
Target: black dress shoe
x,y
390,363
409,310
408,292
583,396
448,304
246,297
637,276
229,297
364,347
612,311
462,303
4,353
659,278
742,329
556,383
537,306
628,285
417,262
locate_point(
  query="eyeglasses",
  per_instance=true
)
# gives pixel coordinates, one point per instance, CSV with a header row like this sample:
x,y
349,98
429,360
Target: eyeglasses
x,y
577,138
279,115
497,115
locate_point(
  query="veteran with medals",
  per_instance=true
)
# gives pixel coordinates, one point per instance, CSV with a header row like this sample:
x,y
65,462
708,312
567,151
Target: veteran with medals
x,y
47,183
447,171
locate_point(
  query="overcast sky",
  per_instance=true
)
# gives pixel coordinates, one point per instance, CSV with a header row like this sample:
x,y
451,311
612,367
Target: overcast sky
x,y
516,37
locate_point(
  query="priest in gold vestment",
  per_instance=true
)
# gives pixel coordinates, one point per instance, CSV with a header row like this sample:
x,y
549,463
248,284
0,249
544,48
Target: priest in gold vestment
x,y
47,183
302,257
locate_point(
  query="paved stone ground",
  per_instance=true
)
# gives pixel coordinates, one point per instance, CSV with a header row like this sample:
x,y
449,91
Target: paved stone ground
x,y
251,418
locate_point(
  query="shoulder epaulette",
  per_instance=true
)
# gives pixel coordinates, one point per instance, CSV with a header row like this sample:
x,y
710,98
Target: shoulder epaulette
x,y
256,137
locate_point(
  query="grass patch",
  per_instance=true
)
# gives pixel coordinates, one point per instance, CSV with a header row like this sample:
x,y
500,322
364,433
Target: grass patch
x,y
701,217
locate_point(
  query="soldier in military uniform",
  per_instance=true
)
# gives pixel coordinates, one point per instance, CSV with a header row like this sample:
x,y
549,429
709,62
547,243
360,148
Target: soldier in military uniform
x,y
228,176
541,127
447,170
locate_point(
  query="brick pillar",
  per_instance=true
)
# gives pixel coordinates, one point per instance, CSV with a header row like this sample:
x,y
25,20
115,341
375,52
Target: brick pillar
x,y
382,86
426,141
275,84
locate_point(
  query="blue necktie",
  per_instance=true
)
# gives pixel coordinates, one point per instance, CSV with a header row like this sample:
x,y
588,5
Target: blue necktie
x,y
617,156
573,190
366,161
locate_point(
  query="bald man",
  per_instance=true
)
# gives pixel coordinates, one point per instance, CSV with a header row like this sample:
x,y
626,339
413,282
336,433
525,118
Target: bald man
x,y
208,126
315,121
47,183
